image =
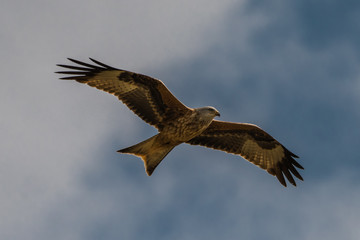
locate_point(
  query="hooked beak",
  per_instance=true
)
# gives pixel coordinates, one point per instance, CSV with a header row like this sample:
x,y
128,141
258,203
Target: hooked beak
x,y
217,114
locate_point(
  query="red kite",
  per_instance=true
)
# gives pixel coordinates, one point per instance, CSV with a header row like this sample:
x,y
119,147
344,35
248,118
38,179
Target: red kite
x,y
150,99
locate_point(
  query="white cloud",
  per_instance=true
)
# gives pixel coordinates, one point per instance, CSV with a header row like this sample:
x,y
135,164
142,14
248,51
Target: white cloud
x,y
139,33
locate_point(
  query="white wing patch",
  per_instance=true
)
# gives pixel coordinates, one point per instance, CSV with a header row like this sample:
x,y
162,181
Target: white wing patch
x,y
265,158
112,77
109,80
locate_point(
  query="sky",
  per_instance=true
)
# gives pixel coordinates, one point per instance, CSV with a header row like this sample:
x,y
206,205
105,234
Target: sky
x,y
290,67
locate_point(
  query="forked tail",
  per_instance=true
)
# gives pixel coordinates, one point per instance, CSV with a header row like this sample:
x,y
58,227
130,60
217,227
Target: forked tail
x,y
151,151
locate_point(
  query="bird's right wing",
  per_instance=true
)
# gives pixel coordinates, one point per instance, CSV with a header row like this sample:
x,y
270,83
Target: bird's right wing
x,y
253,144
148,97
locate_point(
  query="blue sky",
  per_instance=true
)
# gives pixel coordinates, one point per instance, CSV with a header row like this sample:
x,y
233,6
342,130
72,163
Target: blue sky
x,y
291,67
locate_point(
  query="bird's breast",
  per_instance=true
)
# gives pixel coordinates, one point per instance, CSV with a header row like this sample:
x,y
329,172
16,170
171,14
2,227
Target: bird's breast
x,y
185,128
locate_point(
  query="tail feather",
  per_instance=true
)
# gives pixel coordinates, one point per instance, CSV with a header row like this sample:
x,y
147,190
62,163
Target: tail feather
x,y
150,151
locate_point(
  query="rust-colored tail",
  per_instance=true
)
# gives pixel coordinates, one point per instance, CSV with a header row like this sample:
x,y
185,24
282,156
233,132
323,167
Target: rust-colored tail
x,y
150,151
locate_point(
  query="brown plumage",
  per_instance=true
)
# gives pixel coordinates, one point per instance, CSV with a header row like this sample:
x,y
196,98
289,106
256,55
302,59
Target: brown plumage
x,y
155,104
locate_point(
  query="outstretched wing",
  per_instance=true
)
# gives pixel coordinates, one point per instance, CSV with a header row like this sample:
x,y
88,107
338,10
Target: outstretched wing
x,y
253,144
149,98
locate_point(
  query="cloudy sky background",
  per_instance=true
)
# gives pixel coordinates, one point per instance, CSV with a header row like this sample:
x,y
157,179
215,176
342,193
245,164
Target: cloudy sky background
x,y
291,67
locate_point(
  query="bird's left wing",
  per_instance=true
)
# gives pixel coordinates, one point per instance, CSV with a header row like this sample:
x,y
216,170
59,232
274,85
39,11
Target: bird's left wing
x,y
148,97
253,144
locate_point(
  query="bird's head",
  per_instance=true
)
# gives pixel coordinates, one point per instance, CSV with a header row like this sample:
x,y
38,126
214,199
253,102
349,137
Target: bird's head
x,y
208,112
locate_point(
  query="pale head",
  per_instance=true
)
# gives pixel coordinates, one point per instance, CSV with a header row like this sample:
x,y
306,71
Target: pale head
x,y
208,112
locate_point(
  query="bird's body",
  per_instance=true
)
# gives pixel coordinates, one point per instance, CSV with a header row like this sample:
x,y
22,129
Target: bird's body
x,y
183,128
153,102
177,131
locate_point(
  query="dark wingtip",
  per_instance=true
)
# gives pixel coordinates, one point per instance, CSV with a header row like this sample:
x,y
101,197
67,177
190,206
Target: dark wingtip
x,y
67,78
288,175
296,164
97,62
102,64
82,71
73,60
279,175
281,181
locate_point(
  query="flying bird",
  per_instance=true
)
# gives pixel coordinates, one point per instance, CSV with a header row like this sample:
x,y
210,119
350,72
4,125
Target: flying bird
x,y
176,123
